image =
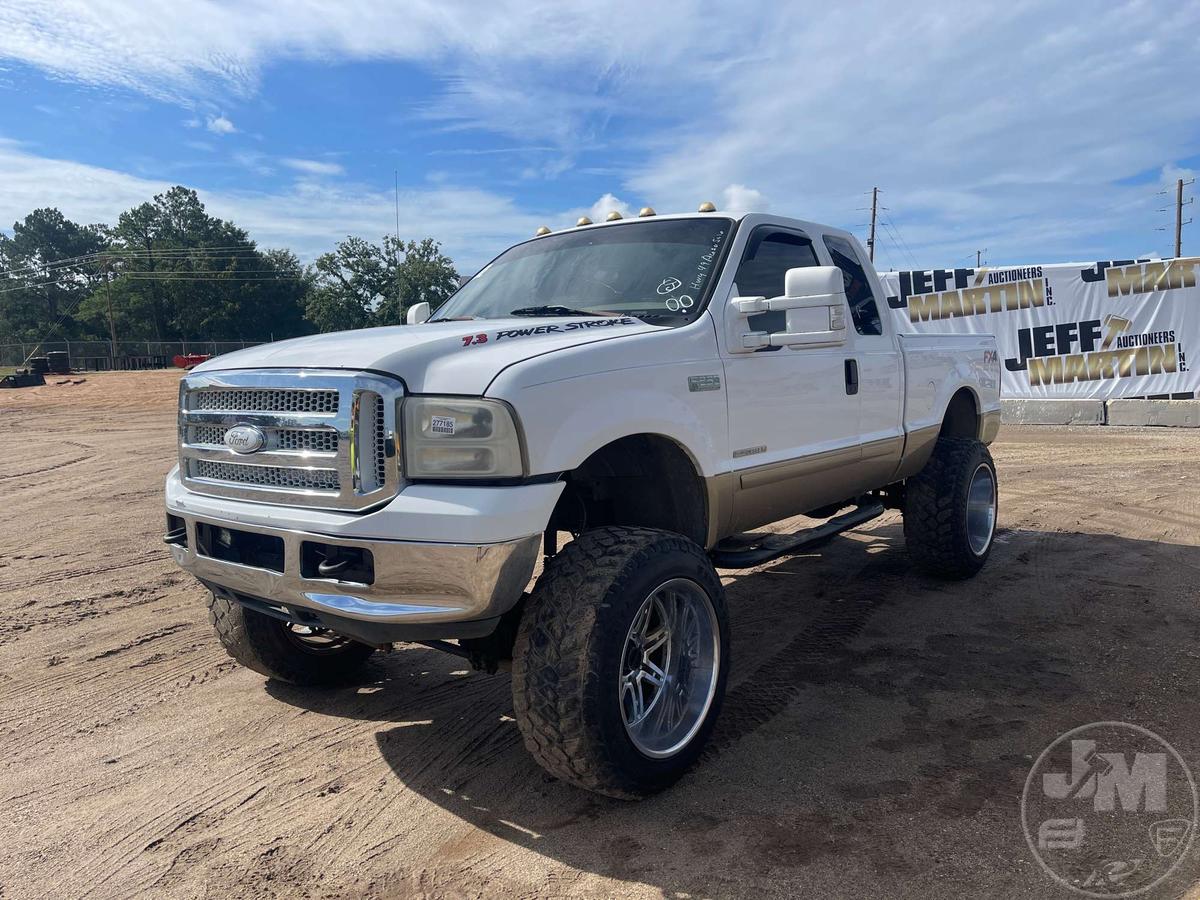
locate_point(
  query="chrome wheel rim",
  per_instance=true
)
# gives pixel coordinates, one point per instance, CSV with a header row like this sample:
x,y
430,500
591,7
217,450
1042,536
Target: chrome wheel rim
x,y
981,509
670,661
314,640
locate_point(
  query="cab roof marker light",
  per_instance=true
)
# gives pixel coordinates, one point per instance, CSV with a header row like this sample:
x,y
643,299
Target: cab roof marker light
x,y
541,232
707,206
612,216
583,220
646,211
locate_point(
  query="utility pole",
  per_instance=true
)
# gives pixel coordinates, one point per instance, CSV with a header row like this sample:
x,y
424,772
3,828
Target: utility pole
x,y
1179,223
106,265
396,250
874,209
979,257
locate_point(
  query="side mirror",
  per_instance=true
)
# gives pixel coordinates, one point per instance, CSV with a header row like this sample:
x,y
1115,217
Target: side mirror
x,y
418,313
814,298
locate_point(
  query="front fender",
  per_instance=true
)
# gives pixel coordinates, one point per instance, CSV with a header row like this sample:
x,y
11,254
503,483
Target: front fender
x,y
574,402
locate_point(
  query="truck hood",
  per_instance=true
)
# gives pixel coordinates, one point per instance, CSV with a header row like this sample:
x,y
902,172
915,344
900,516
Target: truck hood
x,y
437,357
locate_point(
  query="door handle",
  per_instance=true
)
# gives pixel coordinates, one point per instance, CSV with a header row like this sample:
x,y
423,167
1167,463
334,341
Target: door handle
x,y
851,377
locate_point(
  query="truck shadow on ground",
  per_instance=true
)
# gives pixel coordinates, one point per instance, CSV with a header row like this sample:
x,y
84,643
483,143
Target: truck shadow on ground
x,y
869,710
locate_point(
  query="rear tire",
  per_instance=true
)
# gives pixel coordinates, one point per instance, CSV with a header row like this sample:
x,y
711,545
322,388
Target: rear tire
x,y
284,651
621,660
950,509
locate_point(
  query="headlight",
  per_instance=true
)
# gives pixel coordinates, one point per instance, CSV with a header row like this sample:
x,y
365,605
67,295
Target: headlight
x,y
446,437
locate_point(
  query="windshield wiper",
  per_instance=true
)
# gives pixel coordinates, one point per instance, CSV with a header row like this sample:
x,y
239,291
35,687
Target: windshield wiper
x,y
647,314
555,311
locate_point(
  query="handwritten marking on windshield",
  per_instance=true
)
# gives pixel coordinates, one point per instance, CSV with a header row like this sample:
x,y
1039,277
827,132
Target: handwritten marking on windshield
x,y
669,285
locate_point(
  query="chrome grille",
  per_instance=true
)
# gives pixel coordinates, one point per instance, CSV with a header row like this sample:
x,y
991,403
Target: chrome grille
x,y
301,440
269,476
328,439
380,442
299,401
312,441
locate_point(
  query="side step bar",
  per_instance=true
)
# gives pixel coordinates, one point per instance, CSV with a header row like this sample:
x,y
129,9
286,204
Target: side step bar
x,y
744,551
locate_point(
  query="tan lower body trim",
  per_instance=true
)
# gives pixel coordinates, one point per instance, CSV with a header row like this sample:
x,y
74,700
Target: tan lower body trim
x,y
781,490
918,447
989,426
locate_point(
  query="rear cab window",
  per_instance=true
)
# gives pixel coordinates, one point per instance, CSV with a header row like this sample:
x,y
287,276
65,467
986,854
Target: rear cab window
x,y
861,299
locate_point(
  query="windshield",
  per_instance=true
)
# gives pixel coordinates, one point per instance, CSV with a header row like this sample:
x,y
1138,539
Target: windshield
x,y
657,271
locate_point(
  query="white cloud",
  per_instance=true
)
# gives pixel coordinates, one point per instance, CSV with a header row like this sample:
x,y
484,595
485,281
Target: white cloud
x,y
740,200
1172,173
1008,127
313,166
989,127
473,225
608,203
220,125
255,161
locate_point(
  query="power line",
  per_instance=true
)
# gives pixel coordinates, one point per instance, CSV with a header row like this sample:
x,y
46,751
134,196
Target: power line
x,y
263,275
901,243
166,253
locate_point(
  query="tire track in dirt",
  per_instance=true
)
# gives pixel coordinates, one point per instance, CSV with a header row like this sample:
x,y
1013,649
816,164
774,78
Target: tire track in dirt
x,y
44,719
70,462
83,573
811,655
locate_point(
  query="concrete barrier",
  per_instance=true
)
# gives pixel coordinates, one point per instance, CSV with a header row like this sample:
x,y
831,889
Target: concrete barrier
x,y
1167,413
1052,412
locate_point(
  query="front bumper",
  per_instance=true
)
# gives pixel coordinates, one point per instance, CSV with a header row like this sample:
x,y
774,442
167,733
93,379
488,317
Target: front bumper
x,y
419,590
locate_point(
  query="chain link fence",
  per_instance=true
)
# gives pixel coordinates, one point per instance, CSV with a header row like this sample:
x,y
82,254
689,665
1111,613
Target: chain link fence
x,y
101,355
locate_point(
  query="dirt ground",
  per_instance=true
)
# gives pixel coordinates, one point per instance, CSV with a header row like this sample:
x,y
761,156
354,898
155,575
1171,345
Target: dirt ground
x,y
875,740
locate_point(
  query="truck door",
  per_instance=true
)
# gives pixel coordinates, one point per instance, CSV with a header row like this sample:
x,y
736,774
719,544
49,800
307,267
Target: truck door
x,y
875,359
793,421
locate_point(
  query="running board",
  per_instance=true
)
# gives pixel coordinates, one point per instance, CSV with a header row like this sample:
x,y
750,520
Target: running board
x,y
756,549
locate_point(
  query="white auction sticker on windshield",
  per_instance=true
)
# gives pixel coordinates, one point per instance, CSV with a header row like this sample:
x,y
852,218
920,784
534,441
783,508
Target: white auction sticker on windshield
x,y
442,425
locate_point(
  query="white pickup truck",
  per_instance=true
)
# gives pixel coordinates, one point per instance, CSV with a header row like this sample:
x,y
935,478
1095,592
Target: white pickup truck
x,y
623,401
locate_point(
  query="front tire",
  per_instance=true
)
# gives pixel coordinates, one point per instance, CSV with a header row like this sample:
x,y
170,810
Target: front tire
x,y
950,509
621,660
284,651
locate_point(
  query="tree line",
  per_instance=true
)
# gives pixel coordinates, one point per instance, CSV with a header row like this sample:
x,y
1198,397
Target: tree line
x,y
170,271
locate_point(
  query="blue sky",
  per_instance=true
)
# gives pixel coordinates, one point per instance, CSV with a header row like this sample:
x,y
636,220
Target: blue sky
x,y
1032,130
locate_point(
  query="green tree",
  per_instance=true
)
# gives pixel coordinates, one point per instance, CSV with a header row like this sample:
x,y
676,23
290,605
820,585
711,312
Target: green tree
x,y
421,273
360,284
349,282
47,267
179,273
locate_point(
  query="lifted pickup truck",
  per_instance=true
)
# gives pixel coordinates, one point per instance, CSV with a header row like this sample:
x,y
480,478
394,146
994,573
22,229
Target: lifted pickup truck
x,y
624,401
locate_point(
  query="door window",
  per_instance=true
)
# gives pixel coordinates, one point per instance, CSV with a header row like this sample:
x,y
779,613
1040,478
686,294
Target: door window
x,y
863,310
768,256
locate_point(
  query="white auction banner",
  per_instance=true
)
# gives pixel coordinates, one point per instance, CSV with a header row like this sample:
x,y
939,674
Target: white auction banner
x,y
1098,330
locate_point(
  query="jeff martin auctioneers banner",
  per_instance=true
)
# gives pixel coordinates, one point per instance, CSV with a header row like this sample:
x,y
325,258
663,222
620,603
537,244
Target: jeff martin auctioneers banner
x,y
1101,330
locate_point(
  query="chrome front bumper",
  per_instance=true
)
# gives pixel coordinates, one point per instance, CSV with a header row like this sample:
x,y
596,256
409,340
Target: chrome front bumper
x,y
419,590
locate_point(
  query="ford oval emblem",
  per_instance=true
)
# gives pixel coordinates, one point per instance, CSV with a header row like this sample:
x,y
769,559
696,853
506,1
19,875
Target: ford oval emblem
x,y
245,438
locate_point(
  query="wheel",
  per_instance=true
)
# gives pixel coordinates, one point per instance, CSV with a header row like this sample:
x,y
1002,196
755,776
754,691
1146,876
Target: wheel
x,y
620,662
284,651
950,509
